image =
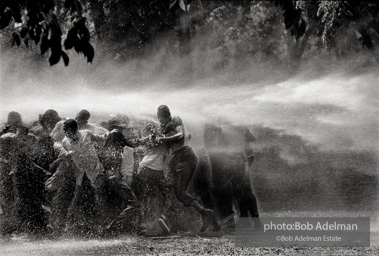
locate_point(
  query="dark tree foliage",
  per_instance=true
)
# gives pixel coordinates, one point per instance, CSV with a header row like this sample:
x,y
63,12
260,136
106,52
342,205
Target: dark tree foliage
x,y
36,20
9,9
363,15
133,24
113,20
78,37
293,18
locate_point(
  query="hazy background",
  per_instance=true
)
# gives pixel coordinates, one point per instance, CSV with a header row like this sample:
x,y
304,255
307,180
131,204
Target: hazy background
x,y
316,119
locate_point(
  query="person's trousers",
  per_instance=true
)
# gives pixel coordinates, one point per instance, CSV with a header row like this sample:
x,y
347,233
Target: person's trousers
x,y
182,166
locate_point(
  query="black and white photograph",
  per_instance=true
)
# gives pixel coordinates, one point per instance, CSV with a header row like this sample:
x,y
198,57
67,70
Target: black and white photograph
x,y
189,127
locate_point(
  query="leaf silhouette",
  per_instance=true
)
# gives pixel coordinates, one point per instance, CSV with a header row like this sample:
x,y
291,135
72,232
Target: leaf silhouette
x,y
79,46
55,57
72,38
65,58
90,52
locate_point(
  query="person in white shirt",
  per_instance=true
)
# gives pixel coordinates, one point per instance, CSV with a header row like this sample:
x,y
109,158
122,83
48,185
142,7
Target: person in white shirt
x,y
151,175
80,149
82,120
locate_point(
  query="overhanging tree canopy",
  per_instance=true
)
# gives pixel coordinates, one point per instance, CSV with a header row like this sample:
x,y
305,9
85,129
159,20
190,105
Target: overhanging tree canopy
x,y
46,21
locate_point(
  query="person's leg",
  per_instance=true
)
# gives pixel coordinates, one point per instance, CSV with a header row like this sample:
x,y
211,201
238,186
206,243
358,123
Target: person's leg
x,y
248,203
126,193
145,189
182,167
100,195
181,181
156,201
138,189
202,179
65,188
59,206
37,220
72,210
22,209
203,184
163,198
127,218
7,200
163,186
182,175
83,209
224,200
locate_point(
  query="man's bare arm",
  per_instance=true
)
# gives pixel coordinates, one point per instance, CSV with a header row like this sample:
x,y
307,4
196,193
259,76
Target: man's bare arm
x,y
174,138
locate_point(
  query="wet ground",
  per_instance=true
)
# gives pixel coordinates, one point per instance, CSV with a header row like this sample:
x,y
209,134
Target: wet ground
x,y
176,245
182,244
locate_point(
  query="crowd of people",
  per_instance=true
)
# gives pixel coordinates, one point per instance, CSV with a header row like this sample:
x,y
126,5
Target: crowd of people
x,y
71,176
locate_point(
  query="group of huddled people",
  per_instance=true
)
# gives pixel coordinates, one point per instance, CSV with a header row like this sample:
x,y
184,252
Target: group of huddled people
x,y
71,176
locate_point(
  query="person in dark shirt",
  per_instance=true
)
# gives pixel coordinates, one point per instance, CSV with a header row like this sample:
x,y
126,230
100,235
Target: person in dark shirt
x,y
231,155
182,164
46,123
9,200
28,183
7,196
111,156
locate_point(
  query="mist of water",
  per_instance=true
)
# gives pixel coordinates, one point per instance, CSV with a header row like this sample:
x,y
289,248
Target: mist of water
x,y
325,117
337,110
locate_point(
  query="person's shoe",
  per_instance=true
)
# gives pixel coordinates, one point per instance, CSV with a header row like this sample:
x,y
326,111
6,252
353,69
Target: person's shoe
x,y
163,225
142,232
207,217
228,223
142,229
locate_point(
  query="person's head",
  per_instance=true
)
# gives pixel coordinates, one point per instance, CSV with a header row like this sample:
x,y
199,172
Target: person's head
x,y
14,118
163,114
70,128
115,123
82,117
49,119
